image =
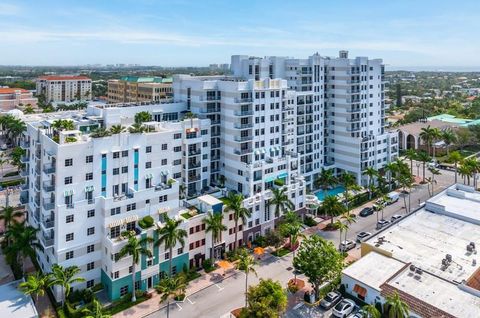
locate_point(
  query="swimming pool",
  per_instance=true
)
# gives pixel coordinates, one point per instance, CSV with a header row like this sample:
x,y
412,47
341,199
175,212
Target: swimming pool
x,y
333,191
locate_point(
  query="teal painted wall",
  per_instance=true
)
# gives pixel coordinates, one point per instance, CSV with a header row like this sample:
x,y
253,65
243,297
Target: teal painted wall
x,y
112,287
178,261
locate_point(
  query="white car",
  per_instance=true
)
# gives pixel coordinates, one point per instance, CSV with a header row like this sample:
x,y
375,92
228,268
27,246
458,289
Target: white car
x,y
382,223
358,314
347,245
396,217
362,236
343,308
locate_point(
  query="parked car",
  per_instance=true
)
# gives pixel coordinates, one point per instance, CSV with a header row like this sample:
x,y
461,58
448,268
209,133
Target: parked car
x,y
358,314
393,197
347,245
330,300
366,211
395,218
343,308
4,147
362,236
382,223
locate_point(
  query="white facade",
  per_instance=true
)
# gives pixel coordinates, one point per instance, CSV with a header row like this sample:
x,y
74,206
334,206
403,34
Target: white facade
x,y
64,88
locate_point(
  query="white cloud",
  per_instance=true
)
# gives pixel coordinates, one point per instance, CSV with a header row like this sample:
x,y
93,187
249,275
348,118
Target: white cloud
x,y
9,9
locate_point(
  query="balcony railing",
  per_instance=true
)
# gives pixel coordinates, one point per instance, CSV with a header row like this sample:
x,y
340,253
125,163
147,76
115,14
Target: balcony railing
x,y
24,198
48,222
244,113
193,178
243,138
209,110
193,152
46,240
25,144
242,151
48,168
243,126
353,128
24,159
48,204
243,100
48,186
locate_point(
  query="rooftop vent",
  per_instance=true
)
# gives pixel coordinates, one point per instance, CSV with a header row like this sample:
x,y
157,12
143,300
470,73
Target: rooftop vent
x,y
412,268
419,271
448,257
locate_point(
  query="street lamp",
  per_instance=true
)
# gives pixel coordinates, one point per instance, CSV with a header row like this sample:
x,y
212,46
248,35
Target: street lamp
x,y
418,169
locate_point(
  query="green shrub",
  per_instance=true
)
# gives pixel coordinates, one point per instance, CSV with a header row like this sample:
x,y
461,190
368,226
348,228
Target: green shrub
x,y
308,221
273,238
97,287
11,174
231,256
146,222
11,183
279,182
208,265
260,241
61,313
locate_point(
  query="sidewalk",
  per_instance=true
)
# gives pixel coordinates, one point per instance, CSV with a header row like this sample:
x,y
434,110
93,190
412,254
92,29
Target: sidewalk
x,y
153,304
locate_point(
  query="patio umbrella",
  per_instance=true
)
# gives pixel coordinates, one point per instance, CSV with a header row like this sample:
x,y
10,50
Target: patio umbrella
x,y
225,265
258,251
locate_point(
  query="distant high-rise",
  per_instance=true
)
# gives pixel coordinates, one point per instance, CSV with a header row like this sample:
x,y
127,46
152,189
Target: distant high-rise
x,y
139,89
64,88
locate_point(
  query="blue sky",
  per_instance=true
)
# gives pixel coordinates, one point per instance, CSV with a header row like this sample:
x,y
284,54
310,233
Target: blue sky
x,y
187,32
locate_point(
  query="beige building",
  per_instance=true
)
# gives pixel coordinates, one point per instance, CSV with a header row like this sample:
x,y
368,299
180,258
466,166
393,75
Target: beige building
x,y
64,88
11,98
139,89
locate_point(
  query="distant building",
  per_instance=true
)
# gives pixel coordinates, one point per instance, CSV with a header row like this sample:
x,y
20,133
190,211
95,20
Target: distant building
x,y
139,89
58,88
428,258
9,79
11,98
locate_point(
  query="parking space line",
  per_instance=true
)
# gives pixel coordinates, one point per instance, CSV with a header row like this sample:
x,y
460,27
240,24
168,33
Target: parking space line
x,y
219,287
180,307
191,302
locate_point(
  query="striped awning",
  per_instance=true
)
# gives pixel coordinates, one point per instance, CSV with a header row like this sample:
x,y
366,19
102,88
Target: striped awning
x,y
89,188
132,218
115,223
148,176
68,193
282,175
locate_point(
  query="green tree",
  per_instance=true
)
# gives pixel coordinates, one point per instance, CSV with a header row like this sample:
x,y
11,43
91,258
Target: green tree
x,y
170,235
434,172
349,182
142,117
265,300
169,288
464,137
135,248
371,311
424,158
136,128
65,277
17,154
9,216
281,201
234,203
348,219
325,180
24,243
95,310
395,307
117,129
465,172
426,135
474,167
371,173
292,227
455,157
35,285
411,155
319,260
246,264
100,132
341,227
390,169
214,224
29,110
449,138
332,207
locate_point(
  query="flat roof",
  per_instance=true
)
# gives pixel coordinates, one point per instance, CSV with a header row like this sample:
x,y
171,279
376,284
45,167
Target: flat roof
x,y
14,303
373,269
210,200
437,292
425,237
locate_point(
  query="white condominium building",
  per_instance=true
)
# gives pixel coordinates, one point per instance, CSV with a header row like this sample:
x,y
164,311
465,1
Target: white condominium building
x,y
65,88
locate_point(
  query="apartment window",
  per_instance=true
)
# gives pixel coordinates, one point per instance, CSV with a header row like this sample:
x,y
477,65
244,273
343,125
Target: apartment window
x,y
69,218
90,283
69,237
164,162
90,266
162,198
164,146
125,169
88,159
125,153
69,255
167,255
68,162
68,180
148,149
148,165
89,176
90,248
131,206
180,251
177,149
116,171
90,231
116,155
177,162
115,211
90,213
176,136
124,289
115,232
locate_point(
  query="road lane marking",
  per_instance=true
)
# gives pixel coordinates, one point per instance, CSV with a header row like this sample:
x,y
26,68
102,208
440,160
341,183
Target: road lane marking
x,y
180,307
191,302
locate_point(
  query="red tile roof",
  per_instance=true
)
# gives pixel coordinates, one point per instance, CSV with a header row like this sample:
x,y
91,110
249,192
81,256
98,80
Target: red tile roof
x,y
63,78
12,90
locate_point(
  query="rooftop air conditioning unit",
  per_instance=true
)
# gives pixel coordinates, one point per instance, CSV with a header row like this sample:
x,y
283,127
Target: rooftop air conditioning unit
x,y
412,268
448,257
419,271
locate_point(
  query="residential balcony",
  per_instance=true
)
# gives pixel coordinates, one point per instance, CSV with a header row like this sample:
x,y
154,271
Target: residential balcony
x,y
48,168
192,178
215,158
47,240
354,110
243,100
215,145
24,198
215,133
48,204
353,128
25,144
194,152
309,121
244,113
38,154
243,126
70,206
209,98
353,120
215,122
193,165
209,110
300,112
48,223
213,170
48,186
24,173
244,138
242,151
24,159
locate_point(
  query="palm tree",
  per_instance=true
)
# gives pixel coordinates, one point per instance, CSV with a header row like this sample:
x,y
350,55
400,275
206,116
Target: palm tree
x,y
281,201
406,181
371,311
135,248
449,138
181,189
117,129
426,135
96,310
350,183
341,227
436,134
292,227
9,216
371,173
455,157
99,133
465,172
332,207
25,242
234,203
136,128
434,172
3,161
214,224
349,219
65,277
29,110
171,234
246,264
325,180
424,158
391,168
395,307
170,287
35,285
474,167
142,117
411,155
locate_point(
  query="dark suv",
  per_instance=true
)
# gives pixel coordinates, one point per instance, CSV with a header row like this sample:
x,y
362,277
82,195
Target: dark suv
x,y
366,211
